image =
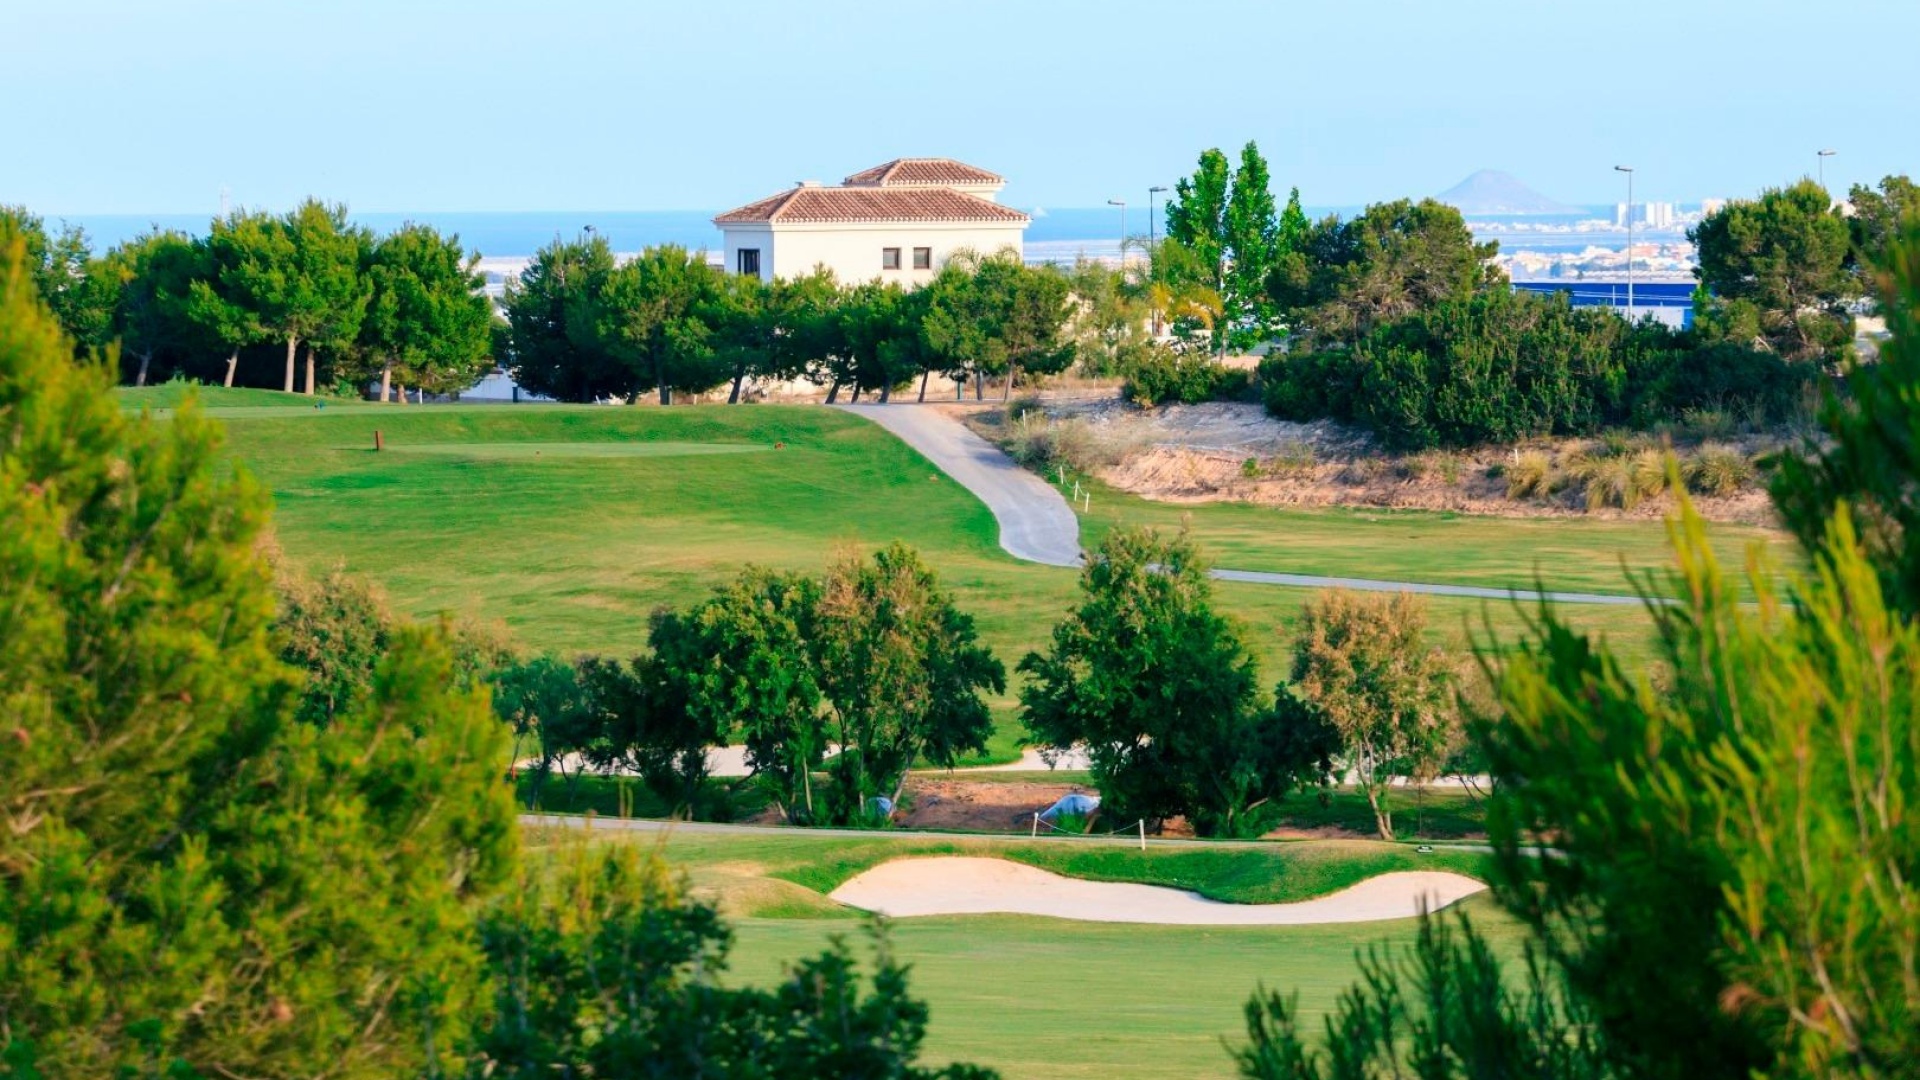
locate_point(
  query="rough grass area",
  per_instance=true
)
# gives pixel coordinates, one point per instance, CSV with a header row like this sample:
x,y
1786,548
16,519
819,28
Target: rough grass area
x,y
1442,547
574,551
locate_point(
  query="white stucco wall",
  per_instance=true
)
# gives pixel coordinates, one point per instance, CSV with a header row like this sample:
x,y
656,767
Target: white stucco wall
x,y
735,237
853,251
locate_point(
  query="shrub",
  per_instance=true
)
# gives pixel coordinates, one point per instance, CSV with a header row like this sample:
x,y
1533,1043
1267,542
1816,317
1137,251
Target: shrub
x,y
1529,475
1160,376
1311,385
1250,468
1019,408
1717,469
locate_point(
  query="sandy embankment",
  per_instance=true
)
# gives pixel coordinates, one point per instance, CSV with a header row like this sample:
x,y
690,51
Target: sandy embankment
x,y
961,885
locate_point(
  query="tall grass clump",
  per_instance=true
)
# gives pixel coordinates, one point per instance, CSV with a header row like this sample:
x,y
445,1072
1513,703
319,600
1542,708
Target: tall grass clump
x,y
1529,475
1720,470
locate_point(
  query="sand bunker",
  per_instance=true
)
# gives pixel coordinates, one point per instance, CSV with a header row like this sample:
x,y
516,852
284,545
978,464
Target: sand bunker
x,y
959,885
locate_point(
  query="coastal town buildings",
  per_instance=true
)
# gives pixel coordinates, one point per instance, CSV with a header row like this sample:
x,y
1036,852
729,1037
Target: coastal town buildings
x,y
898,221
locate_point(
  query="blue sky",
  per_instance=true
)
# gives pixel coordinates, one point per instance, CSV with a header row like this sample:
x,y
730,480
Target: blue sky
x,y
139,106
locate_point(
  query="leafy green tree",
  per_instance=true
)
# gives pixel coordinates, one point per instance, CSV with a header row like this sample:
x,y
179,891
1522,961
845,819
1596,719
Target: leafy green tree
x,y
778,330
540,698
191,882
744,659
867,321
1034,310
903,670
1723,895
960,323
649,318
427,315
221,300
1197,218
603,965
1252,229
1346,277
297,278
1161,691
551,344
78,289
1362,672
1877,220
1872,442
155,274
1108,326
1227,240
1500,365
996,316
336,629
1781,261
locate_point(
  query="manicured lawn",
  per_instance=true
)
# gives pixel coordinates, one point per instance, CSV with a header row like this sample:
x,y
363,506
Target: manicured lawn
x,y
1043,998
1048,997
171,395
572,524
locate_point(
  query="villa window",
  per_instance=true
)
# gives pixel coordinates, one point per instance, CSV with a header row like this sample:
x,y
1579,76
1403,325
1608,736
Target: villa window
x,y
923,258
889,258
749,261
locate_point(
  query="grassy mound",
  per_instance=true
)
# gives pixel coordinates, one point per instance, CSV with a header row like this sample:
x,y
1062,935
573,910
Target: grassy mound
x,y
172,395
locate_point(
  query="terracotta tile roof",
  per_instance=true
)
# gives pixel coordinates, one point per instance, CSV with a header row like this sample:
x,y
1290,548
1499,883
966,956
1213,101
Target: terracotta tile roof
x,y
852,204
922,171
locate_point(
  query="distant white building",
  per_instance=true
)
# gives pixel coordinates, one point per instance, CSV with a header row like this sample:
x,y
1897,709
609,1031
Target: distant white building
x,y
900,221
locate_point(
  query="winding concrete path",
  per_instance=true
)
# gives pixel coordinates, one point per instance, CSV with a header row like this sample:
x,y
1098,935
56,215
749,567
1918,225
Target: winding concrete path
x,y
1037,525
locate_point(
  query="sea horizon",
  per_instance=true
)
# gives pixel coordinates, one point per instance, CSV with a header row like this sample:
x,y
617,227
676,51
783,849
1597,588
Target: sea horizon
x,y
518,234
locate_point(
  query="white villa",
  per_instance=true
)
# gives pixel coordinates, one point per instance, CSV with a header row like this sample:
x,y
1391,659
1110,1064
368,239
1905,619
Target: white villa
x,y
897,222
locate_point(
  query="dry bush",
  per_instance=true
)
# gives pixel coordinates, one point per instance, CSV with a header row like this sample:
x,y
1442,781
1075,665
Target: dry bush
x,y
1294,459
1041,444
1718,469
1529,475
1363,471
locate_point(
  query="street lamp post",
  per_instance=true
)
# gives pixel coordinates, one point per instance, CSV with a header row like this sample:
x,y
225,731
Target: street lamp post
x,y
1151,192
1628,169
1823,155
1122,204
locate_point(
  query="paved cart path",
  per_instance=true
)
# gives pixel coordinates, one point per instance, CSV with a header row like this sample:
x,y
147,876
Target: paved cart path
x,y
1037,525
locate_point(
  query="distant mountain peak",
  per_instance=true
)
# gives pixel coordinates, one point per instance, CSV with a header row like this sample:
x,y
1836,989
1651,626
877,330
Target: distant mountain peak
x,y
1491,191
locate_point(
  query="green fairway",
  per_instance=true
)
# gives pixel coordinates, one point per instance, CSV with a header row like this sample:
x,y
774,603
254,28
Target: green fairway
x,y
1038,997
496,451
572,523
171,395
1041,998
